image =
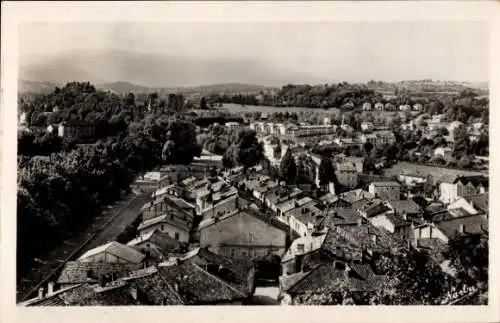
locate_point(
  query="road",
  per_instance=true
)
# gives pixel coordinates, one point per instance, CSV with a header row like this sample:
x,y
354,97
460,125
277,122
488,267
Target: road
x,y
106,227
265,296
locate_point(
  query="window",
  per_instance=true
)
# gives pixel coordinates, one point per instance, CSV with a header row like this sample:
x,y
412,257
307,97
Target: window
x,y
232,252
251,238
162,227
177,236
300,247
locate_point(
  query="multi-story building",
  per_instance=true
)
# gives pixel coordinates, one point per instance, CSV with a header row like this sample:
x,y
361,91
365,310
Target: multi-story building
x,y
390,190
244,233
347,174
451,189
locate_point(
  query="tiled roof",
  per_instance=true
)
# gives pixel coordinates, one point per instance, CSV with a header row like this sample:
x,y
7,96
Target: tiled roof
x,y
405,206
156,290
75,272
244,210
238,270
472,224
326,278
306,214
386,184
117,249
341,216
475,180
480,202
167,218
166,243
197,286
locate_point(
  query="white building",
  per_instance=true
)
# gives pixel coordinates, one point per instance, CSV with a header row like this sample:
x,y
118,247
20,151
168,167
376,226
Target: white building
x,y
367,106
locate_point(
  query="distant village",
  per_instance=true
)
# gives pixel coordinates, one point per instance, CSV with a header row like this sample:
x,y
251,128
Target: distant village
x,y
210,234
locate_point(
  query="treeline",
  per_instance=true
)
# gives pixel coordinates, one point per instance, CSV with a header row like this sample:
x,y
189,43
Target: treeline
x,y
61,187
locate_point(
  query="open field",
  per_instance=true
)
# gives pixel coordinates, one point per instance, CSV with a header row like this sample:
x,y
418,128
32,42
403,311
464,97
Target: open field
x,y
436,172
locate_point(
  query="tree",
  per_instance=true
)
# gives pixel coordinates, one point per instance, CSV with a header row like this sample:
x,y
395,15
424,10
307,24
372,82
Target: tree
x,y
246,150
203,103
326,172
180,146
460,138
414,279
468,254
288,168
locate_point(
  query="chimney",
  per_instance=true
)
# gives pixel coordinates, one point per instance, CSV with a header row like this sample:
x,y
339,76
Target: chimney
x,y
405,217
50,289
461,228
40,292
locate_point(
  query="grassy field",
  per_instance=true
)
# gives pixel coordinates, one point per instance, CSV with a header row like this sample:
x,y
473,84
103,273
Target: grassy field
x,y
436,172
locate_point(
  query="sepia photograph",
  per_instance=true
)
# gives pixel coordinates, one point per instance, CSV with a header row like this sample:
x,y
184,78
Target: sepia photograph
x,y
278,163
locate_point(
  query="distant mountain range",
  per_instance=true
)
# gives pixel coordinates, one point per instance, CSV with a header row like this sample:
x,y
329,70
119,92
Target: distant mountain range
x,y
125,71
152,70
125,88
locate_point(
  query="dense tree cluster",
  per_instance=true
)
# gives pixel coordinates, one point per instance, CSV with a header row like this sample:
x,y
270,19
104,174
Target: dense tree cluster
x,y
245,150
63,184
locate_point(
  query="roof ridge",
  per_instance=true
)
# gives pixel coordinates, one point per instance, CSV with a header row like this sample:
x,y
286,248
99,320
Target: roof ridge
x,y
177,295
314,268
218,279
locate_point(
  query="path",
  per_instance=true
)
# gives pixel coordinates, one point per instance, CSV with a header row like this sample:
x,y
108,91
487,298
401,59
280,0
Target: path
x,y
105,227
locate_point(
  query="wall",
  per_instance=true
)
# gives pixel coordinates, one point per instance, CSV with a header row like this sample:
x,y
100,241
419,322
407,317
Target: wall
x,y
390,193
447,192
244,233
429,232
382,221
167,228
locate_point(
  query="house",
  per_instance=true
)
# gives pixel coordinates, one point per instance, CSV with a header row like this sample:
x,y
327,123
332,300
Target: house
x,y
367,106
410,178
304,217
280,194
224,206
113,252
157,245
238,273
331,279
371,208
78,272
389,107
257,185
345,142
417,107
389,190
379,106
366,126
451,225
405,208
175,224
405,107
356,161
76,129
204,281
350,243
347,174
313,130
462,204
232,125
443,152
209,194
428,231
148,182
168,204
451,188
393,223
244,234
340,216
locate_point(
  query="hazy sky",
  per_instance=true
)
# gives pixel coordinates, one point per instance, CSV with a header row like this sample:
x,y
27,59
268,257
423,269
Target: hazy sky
x,y
331,51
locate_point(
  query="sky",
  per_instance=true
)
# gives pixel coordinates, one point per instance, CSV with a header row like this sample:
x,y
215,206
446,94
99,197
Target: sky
x,y
330,51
